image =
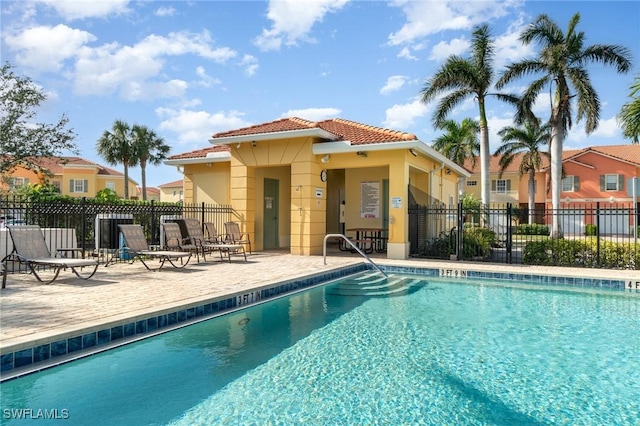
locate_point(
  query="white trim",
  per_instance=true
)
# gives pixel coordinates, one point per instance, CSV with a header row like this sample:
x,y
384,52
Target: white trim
x,y
286,134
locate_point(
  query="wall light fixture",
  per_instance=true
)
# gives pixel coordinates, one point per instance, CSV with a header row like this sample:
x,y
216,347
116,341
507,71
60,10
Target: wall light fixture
x,y
325,159
413,152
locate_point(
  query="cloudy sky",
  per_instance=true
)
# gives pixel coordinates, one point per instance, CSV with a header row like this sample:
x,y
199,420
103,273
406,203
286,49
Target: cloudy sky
x,y
189,69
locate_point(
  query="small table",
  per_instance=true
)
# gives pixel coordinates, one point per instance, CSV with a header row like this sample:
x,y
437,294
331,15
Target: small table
x,y
370,239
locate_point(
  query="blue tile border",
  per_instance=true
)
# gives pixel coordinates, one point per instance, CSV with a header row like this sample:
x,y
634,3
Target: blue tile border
x,y
49,351
95,339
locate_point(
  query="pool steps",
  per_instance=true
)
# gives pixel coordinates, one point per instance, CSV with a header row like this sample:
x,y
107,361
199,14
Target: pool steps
x,y
375,285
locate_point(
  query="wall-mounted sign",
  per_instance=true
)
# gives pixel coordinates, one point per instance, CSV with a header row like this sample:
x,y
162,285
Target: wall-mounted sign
x,y
370,199
396,202
319,192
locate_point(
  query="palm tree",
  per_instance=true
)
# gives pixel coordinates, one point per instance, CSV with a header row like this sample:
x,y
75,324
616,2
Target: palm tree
x,y
149,148
525,142
562,62
460,140
115,147
461,78
629,117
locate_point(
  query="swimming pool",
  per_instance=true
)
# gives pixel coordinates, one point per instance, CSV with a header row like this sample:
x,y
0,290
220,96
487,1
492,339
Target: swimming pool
x,y
444,351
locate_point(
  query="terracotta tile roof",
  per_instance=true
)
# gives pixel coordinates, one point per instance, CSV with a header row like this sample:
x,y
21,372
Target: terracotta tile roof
x,y
171,184
200,153
150,190
57,165
630,153
346,130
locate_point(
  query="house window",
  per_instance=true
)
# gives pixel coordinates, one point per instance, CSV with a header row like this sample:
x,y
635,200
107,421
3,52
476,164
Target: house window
x,y
611,182
571,184
56,184
111,185
175,192
78,185
18,182
472,183
500,185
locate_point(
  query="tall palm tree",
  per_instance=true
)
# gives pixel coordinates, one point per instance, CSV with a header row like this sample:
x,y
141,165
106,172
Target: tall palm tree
x,y
526,142
460,78
629,116
149,148
562,61
460,140
115,148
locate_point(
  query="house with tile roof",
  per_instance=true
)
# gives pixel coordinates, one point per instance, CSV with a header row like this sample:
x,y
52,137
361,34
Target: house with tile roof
x,y
292,181
597,174
171,192
73,176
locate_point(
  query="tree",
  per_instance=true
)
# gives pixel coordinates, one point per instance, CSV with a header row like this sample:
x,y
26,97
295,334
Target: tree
x,y
562,61
22,139
525,142
629,116
115,147
460,140
461,78
149,148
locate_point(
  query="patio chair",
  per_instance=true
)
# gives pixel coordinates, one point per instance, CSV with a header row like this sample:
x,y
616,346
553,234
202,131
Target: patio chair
x,y
136,247
233,234
30,248
212,233
174,241
196,235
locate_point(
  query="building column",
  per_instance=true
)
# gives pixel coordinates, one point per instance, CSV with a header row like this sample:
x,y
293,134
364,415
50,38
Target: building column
x,y
242,197
308,208
398,244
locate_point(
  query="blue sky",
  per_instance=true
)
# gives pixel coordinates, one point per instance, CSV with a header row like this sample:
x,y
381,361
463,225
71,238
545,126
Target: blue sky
x,y
189,69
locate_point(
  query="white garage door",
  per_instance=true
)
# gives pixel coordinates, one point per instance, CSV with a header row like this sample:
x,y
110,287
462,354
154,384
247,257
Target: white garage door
x,y
572,221
614,222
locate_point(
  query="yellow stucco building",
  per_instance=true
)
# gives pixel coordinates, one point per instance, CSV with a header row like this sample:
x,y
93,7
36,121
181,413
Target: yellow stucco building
x,y
292,181
73,176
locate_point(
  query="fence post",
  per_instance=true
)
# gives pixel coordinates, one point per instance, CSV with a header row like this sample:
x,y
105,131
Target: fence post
x,y
155,231
509,233
202,220
598,233
83,218
459,235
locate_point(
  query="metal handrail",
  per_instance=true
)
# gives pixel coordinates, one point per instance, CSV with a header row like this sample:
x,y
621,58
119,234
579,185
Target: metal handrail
x,y
324,251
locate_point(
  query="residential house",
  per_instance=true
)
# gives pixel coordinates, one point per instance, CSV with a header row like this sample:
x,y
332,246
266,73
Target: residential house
x,y
73,176
292,181
153,193
597,174
171,192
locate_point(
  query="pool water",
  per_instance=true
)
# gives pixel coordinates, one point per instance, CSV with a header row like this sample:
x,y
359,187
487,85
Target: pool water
x,y
444,352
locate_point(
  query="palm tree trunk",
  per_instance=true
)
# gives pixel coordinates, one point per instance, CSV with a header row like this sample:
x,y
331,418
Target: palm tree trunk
x,y
556,174
126,180
485,178
532,195
143,173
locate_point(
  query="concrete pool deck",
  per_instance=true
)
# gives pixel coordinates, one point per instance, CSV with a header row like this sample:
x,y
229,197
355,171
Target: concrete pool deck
x,y
32,313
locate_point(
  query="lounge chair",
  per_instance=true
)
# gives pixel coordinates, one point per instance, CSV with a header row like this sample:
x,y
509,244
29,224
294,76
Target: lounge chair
x,y
212,233
173,240
136,247
30,248
196,236
233,234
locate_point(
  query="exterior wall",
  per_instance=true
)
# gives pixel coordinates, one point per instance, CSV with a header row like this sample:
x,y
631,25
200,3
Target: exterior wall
x,y
207,183
589,174
167,194
283,176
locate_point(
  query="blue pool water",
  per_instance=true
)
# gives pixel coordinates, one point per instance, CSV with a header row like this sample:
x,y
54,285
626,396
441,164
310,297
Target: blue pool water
x,y
444,352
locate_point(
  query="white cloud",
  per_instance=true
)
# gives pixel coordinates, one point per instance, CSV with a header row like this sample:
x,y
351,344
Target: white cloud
x,y
165,11
405,53
404,116
313,114
395,82
292,21
205,79
114,68
250,64
80,9
197,127
46,48
443,50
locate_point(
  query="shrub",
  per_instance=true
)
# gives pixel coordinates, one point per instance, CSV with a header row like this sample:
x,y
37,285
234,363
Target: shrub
x,y
477,242
561,252
591,230
532,229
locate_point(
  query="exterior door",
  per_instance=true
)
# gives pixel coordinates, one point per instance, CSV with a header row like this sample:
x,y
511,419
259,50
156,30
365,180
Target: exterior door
x,y
270,234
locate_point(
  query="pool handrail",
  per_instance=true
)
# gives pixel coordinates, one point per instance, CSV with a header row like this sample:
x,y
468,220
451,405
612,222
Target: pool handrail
x,y
324,250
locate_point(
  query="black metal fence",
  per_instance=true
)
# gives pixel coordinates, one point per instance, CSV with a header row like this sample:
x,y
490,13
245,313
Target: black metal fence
x,y
595,235
92,227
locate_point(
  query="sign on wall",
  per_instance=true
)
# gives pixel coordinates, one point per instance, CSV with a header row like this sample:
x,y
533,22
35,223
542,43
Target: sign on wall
x,y
370,199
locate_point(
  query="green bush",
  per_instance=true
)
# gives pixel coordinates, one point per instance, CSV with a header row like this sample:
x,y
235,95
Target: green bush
x,y
561,252
532,229
477,242
591,230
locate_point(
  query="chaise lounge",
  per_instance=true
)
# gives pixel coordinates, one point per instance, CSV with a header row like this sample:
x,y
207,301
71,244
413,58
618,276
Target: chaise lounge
x,y
136,247
196,237
30,248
